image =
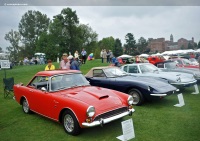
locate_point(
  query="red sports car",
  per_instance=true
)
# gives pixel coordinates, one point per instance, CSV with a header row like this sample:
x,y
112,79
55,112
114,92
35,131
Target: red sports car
x,y
67,97
185,63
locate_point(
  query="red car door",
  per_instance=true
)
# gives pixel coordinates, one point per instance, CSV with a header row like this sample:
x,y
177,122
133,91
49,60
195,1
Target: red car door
x,y
41,102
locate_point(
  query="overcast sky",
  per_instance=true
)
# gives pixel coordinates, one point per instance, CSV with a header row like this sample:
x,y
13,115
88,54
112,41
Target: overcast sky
x,y
117,21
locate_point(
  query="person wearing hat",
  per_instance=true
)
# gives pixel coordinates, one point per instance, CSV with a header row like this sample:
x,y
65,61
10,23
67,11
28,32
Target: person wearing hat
x,y
74,65
64,63
49,66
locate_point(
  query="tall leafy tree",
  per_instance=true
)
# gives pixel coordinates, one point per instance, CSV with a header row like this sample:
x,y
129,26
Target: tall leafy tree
x,y
142,45
14,38
118,50
47,44
190,46
87,37
130,46
198,46
1,50
107,43
65,25
31,26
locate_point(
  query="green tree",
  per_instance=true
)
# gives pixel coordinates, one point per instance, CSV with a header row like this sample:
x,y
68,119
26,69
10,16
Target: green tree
x,y
14,38
65,25
142,45
87,38
118,50
190,46
31,26
48,45
130,46
1,50
107,43
198,46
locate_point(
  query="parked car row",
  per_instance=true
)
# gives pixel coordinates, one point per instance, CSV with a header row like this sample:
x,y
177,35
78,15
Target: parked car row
x,y
103,95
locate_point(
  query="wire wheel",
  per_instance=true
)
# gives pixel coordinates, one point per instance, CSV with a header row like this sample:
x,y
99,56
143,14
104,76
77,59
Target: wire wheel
x,y
25,106
137,96
70,123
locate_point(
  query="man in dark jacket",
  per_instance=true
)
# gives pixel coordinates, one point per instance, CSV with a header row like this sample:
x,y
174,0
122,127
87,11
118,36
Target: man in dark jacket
x,y
74,65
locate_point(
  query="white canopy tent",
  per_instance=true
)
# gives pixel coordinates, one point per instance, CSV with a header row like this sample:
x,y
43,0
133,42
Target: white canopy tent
x,y
125,56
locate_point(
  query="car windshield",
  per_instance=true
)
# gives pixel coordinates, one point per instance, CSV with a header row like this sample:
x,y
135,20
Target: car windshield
x,y
193,60
148,68
65,81
186,62
114,72
171,65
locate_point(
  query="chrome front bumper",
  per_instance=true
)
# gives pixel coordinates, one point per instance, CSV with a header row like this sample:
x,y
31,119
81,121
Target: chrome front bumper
x,y
107,120
185,83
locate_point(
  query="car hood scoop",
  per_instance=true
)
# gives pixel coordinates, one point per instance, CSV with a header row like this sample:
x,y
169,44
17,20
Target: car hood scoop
x,y
101,98
97,94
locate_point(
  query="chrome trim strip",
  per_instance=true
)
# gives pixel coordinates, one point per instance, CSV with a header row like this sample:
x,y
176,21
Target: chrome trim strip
x,y
107,120
158,94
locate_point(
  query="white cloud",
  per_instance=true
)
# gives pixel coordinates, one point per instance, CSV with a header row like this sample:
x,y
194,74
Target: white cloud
x,y
117,21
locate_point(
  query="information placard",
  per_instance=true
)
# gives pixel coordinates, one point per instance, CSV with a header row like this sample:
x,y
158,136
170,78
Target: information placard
x,y
5,64
181,100
128,130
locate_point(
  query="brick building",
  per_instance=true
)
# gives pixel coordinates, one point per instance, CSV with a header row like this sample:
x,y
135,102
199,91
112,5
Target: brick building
x,y
157,45
161,45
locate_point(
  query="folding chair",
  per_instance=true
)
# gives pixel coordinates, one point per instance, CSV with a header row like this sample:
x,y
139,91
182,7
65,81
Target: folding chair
x,y
8,86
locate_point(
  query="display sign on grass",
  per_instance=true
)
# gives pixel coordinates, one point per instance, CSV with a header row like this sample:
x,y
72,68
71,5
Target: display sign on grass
x,y
5,64
128,130
181,100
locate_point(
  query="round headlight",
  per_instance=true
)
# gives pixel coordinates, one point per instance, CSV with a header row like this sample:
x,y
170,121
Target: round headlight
x,y
90,111
130,100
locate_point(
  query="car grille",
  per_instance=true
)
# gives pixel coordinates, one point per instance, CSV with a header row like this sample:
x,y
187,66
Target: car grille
x,y
111,113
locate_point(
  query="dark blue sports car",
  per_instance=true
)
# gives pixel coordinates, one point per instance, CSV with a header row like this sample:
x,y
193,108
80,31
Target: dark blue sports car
x,y
141,88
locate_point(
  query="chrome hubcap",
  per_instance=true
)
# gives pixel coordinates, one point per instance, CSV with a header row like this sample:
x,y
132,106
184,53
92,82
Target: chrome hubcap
x,y
68,123
25,106
136,97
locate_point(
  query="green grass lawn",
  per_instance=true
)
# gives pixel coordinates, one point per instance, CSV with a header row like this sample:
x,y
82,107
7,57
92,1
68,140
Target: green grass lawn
x,y
153,121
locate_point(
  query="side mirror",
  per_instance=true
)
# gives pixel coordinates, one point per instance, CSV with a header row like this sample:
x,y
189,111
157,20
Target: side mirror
x,y
43,89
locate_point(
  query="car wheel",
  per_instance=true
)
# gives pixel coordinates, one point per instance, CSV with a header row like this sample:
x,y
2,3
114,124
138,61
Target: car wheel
x,y
70,123
137,97
25,106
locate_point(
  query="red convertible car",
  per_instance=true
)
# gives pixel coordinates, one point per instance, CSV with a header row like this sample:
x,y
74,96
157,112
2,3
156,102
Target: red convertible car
x,y
67,97
185,63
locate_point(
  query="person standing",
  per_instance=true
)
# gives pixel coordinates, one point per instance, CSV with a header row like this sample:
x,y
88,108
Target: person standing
x,y
64,64
104,55
101,55
49,66
83,53
74,65
111,56
108,56
76,55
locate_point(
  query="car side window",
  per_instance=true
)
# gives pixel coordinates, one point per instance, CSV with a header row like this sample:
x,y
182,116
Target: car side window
x,y
39,82
160,65
133,69
125,69
180,62
98,73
